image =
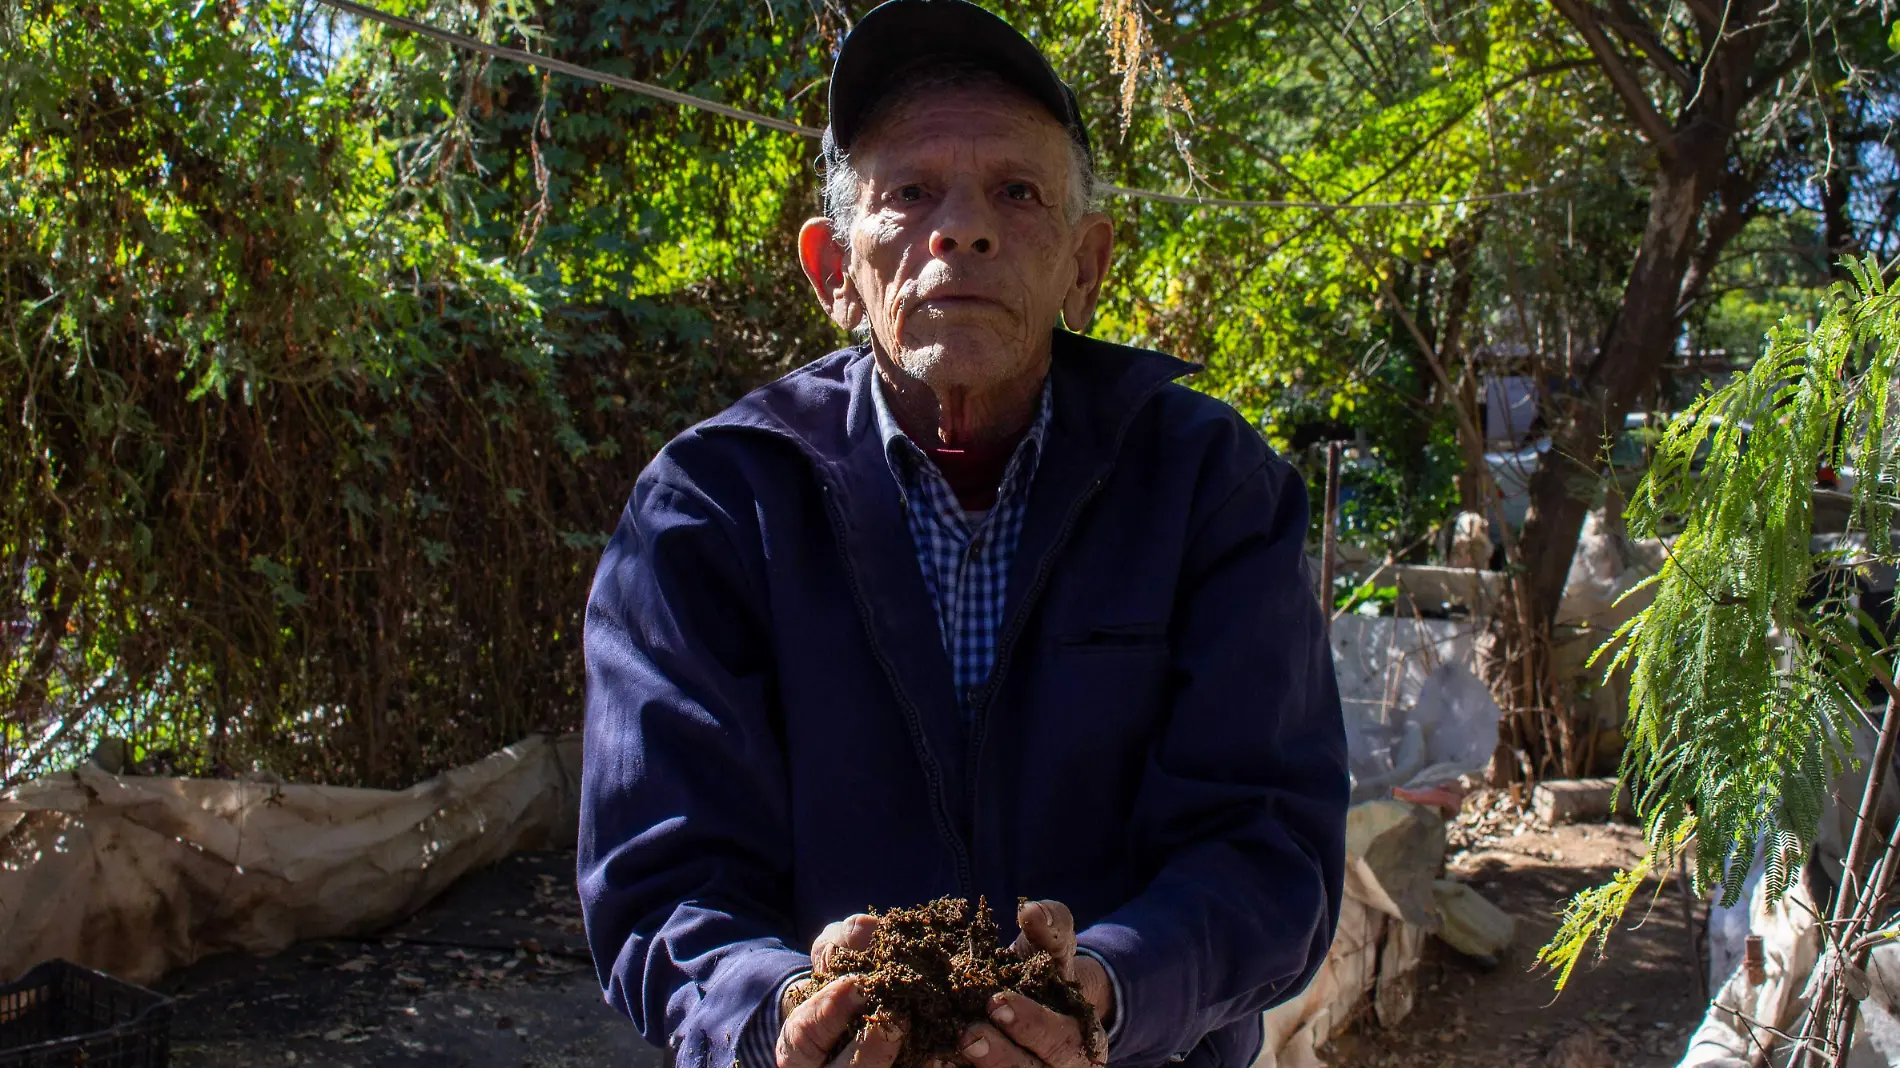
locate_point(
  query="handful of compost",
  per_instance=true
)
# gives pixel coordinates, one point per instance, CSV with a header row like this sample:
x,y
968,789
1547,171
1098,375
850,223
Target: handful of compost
x,y
934,968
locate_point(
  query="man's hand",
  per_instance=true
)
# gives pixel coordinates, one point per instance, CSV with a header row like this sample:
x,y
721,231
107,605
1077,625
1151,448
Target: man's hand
x,y
1024,1034
813,1029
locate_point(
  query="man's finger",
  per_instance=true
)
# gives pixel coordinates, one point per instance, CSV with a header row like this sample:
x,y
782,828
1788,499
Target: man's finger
x,y
852,932
1048,926
986,1047
1052,1037
813,1030
875,1048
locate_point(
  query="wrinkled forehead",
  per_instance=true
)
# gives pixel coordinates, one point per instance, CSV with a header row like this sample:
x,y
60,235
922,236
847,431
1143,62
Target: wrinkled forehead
x,y
973,106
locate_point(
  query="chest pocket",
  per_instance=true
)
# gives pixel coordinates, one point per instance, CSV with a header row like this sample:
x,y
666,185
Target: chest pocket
x,y
1119,675
1124,638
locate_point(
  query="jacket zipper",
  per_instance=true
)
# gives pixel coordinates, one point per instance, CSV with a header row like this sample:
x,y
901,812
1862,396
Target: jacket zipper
x,y
913,720
979,709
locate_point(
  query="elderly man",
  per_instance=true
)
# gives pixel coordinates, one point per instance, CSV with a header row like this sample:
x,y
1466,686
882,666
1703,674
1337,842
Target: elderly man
x,y
981,606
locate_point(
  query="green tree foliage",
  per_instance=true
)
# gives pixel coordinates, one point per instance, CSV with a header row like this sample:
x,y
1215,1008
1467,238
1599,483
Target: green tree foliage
x,y
334,352
330,357
1655,136
1752,666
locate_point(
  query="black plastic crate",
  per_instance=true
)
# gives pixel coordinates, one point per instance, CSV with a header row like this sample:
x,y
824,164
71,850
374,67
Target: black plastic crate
x,y
60,1015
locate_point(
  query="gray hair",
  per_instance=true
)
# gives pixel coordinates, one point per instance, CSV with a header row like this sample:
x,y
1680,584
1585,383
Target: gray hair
x,y
842,181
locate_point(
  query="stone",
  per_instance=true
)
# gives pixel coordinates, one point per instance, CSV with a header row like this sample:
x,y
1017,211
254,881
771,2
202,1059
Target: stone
x,y
1574,800
1402,846
1470,924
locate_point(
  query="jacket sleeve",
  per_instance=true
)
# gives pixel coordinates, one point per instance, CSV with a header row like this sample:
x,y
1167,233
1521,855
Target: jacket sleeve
x,y
684,848
1240,814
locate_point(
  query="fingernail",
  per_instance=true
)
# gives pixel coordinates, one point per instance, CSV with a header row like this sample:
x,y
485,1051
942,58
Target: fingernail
x,y
1003,1014
979,1048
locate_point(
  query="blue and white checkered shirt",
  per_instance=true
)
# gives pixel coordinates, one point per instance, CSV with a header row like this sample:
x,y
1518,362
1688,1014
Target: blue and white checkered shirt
x,y
965,559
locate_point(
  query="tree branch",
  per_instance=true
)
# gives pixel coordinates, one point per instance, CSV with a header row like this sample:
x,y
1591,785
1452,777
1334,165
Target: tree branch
x,y
1797,55
1446,126
1709,17
1371,261
1376,64
1584,18
1738,194
1632,27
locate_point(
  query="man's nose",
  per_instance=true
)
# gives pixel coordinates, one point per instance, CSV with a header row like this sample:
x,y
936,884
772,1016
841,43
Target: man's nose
x,y
964,223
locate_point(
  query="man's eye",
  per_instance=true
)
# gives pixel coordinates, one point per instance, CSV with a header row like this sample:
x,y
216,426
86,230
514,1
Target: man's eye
x,y
1019,191
910,194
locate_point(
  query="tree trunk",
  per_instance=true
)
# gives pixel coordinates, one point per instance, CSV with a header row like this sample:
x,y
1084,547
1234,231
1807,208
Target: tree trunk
x,y
1638,344
1542,725
1471,480
1839,233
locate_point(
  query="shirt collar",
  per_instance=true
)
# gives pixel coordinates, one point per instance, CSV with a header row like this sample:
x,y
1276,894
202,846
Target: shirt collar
x,y
900,451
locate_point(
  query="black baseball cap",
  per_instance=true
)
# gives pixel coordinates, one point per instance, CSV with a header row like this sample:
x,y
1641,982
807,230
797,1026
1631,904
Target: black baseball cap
x,y
900,34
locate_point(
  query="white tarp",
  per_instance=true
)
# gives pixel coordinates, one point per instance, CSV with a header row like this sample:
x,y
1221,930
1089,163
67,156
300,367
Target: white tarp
x,y
1394,851
136,876
1383,661
1409,685
1745,1021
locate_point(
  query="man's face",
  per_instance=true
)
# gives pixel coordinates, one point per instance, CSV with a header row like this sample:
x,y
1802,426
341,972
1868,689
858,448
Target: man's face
x,y
962,257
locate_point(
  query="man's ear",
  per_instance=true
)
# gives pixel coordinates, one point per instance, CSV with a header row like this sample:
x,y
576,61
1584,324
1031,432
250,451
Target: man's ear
x,y
824,262
1095,244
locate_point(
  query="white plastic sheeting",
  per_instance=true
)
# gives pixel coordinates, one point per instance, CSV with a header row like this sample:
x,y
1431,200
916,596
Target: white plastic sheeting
x,y
1415,712
1743,1022
1607,565
136,876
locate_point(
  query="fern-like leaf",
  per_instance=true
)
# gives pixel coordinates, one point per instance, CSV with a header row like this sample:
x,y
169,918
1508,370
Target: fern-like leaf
x,y
1749,667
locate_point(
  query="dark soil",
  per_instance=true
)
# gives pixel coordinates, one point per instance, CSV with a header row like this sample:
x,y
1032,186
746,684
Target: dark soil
x,y
932,970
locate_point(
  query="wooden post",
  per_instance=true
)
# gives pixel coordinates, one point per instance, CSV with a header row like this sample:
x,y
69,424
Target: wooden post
x,y
1329,535
1687,887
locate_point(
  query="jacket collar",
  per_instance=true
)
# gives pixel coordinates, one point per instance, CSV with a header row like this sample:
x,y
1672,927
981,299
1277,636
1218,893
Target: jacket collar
x,y
827,407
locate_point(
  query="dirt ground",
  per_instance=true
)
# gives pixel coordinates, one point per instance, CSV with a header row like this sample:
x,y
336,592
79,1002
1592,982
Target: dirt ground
x,y
1636,1008
496,975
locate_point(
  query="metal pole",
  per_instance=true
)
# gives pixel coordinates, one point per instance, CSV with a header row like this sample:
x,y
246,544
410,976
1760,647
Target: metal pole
x,y
1329,534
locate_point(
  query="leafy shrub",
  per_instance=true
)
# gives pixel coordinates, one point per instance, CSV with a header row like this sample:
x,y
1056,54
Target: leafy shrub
x,y
329,360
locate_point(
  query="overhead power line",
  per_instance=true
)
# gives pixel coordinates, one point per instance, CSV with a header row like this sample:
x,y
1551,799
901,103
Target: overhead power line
x,y
658,92
673,96
1314,205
